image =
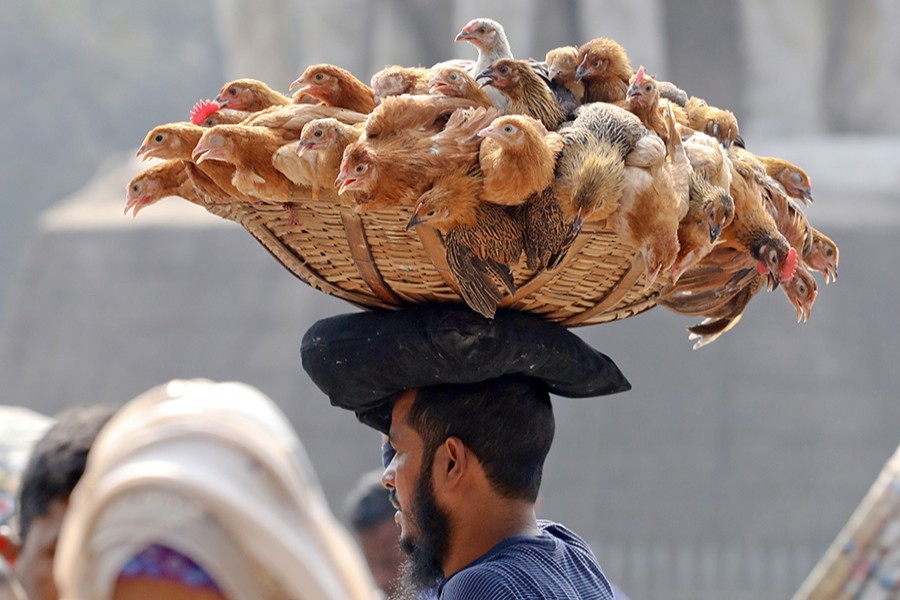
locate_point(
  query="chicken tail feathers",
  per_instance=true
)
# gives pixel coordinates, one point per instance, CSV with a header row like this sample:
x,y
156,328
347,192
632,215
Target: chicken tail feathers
x,y
476,285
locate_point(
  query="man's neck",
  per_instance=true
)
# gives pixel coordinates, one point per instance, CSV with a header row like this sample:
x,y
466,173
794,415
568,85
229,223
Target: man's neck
x,y
474,533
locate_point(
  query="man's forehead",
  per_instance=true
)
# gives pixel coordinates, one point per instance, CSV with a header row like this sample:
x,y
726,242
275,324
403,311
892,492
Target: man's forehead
x,y
400,411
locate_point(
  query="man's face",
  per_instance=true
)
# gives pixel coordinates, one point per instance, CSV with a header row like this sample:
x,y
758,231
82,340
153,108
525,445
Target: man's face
x,y
34,566
424,526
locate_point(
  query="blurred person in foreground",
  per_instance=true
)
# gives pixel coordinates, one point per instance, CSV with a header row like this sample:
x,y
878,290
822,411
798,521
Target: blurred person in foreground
x,y
465,402
54,467
371,517
201,490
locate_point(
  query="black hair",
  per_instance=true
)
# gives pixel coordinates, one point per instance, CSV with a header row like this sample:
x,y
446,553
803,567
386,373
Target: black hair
x,y
57,462
369,504
506,422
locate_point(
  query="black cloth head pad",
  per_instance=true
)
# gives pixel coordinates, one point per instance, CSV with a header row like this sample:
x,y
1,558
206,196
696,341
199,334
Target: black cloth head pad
x,y
363,360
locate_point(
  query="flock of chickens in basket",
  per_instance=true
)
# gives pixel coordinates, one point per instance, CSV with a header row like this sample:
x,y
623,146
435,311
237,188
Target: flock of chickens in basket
x,y
507,157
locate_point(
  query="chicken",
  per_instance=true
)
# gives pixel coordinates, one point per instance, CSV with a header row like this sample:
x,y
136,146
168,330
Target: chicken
x,y
561,65
249,95
708,158
792,178
528,93
726,316
250,150
321,145
288,121
157,182
176,141
481,239
710,209
589,181
653,202
753,229
604,70
489,39
717,122
517,158
457,83
642,98
404,149
822,255
335,86
396,80
801,290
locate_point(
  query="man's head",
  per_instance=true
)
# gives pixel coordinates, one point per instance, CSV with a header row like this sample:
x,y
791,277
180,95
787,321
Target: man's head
x,y
56,464
460,450
371,516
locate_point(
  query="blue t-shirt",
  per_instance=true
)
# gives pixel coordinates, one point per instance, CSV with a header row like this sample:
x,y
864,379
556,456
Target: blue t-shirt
x,y
557,565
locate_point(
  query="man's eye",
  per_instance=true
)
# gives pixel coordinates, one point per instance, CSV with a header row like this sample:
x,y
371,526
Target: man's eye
x,y
387,454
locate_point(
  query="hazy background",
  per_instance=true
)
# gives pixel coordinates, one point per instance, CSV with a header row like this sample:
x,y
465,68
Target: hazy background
x,y
725,473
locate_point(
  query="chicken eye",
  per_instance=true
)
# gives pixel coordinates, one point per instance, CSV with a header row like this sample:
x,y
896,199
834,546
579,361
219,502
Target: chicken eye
x,y
430,213
481,30
509,129
232,91
802,289
829,252
454,76
360,168
318,133
648,87
158,138
319,77
773,257
208,122
135,187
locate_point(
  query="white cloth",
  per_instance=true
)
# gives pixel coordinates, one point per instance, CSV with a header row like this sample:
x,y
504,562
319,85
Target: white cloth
x,y
215,472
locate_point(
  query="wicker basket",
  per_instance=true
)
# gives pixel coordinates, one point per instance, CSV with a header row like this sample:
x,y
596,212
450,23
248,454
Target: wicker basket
x,y
371,261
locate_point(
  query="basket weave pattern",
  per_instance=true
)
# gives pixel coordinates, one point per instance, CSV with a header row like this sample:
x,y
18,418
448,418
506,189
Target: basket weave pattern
x,y
370,260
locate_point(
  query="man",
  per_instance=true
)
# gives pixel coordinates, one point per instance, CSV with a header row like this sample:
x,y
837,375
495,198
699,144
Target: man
x,y
56,464
465,402
371,516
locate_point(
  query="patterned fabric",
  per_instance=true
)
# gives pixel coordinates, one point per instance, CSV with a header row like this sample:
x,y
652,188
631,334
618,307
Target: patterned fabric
x,y
557,565
161,562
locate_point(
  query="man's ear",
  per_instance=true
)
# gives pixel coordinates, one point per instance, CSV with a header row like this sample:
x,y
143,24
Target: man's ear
x,y
9,549
455,461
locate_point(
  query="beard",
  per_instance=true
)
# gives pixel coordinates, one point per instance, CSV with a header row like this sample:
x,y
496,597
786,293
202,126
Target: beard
x,y
427,550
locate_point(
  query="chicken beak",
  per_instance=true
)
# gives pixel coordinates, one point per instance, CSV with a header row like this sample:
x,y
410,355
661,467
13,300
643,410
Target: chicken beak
x,y
221,101
462,36
772,282
714,231
141,151
300,82
581,72
486,74
304,146
342,183
553,73
805,195
204,152
832,272
489,131
136,204
414,220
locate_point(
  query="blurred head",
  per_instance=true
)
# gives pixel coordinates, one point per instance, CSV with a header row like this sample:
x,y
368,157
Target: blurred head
x,y
56,465
202,490
371,516
499,430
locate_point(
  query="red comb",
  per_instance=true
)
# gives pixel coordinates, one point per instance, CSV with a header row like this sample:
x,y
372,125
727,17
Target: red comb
x,y
639,76
203,109
790,263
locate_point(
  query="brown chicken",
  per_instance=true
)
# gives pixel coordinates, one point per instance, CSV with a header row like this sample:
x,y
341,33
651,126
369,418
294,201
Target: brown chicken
x,y
457,83
643,99
250,151
335,86
517,158
249,95
396,80
801,290
604,70
589,182
717,122
653,202
710,209
481,238
528,93
822,255
708,158
753,229
288,121
176,141
489,39
322,145
561,66
405,148
792,178
157,182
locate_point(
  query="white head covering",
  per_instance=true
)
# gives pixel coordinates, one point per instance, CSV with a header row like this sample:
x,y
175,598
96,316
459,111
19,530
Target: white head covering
x,y
215,472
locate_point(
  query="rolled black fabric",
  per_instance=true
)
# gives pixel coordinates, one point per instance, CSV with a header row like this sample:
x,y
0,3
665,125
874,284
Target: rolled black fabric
x,y
362,361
